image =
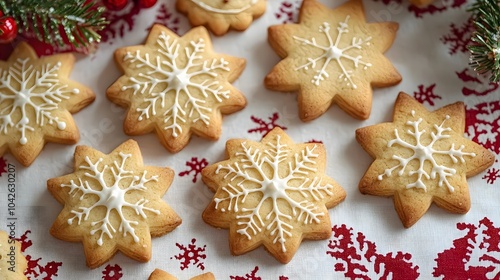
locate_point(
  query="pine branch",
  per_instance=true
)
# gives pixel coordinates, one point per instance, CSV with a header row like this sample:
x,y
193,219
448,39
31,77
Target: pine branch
x,y
485,50
58,21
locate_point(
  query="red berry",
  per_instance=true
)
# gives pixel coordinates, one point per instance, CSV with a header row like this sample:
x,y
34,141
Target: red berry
x,y
8,29
1,13
115,5
147,3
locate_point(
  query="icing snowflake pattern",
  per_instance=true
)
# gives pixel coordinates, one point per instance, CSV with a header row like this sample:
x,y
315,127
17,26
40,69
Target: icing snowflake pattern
x,y
273,187
113,197
210,8
27,89
333,52
424,153
177,81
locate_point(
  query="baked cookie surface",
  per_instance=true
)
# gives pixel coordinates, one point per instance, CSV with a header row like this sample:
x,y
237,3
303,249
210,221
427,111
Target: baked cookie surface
x,y
36,101
332,56
159,274
221,15
176,86
422,157
12,262
113,203
272,193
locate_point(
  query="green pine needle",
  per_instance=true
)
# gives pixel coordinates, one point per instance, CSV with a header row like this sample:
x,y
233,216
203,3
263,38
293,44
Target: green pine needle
x,y
51,21
485,51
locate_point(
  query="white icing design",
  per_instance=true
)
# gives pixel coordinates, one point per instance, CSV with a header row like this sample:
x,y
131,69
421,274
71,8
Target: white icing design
x,y
211,8
425,153
26,89
333,52
162,77
112,194
259,174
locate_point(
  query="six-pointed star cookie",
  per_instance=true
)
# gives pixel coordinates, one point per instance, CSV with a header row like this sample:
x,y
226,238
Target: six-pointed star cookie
x,y
113,203
422,157
12,262
273,193
176,86
36,99
332,56
159,274
221,15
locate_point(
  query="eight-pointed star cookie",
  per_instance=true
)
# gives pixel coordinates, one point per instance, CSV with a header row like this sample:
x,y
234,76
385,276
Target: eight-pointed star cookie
x,y
422,157
36,101
159,274
12,262
176,86
332,56
273,193
113,203
221,15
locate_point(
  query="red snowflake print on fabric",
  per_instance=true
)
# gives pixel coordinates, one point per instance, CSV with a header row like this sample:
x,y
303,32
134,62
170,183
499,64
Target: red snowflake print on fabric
x,y
437,7
483,124
459,37
112,272
191,254
195,166
263,126
120,22
476,85
3,166
25,242
166,17
426,94
283,278
388,2
492,175
482,104
288,11
249,276
476,255
36,270
357,258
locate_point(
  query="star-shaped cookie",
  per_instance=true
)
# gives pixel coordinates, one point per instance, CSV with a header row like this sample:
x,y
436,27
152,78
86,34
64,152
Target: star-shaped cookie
x,y
272,193
159,274
36,101
176,86
221,15
332,56
113,203
422,157
12,262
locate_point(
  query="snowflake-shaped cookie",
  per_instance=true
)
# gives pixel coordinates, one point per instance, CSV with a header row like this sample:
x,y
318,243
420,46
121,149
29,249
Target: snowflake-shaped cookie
x,y
221,15
422,157
332,56
273,193
113,202
36,99
176,86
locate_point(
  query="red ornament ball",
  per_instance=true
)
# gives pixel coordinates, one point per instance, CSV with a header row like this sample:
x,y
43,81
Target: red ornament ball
x,y
8,29
147,3
115,5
